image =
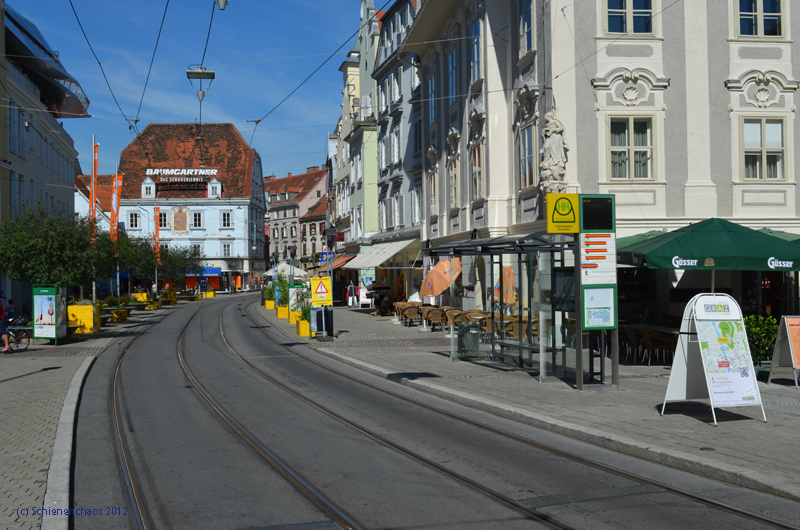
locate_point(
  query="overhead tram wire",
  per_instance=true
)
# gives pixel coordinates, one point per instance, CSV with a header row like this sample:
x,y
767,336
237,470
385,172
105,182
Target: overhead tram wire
x,y
153,58
108,84
369,21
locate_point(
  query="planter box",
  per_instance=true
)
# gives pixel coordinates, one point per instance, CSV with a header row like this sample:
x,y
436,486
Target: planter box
x,y
153,305
86,317
209,294
304,328
294,317
282,312
119,315
141,297
172,295
269,304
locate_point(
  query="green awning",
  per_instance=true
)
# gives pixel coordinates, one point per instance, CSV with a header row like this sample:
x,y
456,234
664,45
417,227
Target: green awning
x,y
637,238
786,236
715,244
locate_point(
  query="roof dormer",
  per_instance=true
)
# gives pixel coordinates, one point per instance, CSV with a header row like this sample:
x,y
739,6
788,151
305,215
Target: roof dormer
x,y
148,188
214,189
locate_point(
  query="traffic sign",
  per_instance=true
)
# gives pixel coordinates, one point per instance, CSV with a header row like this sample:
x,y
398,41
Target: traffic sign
x,y
326,256
321,292
563,213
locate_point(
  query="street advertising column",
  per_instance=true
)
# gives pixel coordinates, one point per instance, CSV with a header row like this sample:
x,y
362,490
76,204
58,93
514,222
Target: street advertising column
x,y
787,347
720,350
49,312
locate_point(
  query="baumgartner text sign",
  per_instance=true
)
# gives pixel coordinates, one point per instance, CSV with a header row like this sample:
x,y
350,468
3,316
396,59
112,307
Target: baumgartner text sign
x,y
773,263
181,172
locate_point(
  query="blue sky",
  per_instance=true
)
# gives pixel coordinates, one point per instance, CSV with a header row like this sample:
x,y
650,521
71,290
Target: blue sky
x,y
260,51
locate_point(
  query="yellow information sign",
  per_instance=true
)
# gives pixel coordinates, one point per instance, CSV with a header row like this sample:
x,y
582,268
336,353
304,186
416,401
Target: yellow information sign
x,y
563,213
321,292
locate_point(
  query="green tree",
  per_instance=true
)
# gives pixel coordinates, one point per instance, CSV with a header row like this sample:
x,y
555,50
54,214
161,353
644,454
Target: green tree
x,y
47,248
177,261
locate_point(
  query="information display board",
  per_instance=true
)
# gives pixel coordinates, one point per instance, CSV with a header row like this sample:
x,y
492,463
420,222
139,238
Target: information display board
x,y
49,312
787,347
712,358
599,304
598,258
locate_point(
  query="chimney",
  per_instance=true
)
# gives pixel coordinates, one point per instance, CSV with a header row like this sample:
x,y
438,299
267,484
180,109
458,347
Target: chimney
x,y
312,169
290,174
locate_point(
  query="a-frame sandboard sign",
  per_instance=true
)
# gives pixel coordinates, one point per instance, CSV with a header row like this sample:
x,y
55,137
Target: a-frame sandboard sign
x,y
712,358
787,347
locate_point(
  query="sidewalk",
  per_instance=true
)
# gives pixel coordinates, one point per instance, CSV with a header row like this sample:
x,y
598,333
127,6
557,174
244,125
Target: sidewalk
x,y
741,450
33,387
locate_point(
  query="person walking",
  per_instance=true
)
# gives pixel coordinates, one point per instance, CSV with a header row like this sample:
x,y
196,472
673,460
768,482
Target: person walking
x,y
3,331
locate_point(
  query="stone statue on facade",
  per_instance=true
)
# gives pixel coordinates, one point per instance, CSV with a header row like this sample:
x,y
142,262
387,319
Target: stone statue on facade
x,y
554,156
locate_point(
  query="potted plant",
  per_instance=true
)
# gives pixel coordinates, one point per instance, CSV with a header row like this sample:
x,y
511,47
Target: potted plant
x,y
282,307
268,294
303,324
762,332
141,295
153,302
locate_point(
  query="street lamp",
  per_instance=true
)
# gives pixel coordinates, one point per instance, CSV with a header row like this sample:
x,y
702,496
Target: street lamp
x,y
292,252
222,4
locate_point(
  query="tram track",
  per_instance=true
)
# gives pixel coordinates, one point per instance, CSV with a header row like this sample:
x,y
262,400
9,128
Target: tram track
x,y
715,504
140,515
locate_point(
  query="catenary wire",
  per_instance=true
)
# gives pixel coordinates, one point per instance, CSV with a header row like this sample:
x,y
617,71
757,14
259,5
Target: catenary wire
x,y
153,58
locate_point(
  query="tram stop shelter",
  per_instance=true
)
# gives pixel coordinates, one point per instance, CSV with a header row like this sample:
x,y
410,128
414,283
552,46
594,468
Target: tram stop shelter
x,y
514,303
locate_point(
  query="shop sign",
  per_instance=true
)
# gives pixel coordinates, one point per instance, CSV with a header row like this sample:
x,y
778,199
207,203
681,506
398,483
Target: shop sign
x,y
235,264
180,172
258,265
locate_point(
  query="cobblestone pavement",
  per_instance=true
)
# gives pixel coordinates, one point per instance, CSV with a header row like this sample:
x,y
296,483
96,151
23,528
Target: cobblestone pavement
x,y
32,391
33,385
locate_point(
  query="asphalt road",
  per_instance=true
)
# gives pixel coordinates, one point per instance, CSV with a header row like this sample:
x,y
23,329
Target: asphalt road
x,y
196,472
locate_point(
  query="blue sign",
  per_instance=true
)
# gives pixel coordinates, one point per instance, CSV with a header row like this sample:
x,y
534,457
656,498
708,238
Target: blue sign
x,y
326,256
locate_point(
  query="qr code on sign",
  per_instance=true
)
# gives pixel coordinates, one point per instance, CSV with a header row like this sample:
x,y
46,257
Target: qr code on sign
x,y
744,371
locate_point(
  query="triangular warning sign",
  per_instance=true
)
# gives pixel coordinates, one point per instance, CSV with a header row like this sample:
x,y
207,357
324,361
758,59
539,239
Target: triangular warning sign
x,y
321,289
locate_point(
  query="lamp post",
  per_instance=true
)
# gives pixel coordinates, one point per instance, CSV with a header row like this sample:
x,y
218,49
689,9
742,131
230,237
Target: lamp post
x,y
292,251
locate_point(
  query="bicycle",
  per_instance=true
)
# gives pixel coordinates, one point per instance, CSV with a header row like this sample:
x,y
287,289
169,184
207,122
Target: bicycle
x,y
18,338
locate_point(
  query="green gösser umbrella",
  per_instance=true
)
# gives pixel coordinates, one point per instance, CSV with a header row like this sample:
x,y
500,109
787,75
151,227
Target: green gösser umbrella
x,y
715,244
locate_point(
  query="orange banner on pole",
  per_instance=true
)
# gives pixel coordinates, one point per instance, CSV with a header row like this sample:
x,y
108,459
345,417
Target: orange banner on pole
x,y
116,192
156,235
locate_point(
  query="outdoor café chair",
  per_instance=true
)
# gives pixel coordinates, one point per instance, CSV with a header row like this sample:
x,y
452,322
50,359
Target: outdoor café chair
x,y
410,314
435,317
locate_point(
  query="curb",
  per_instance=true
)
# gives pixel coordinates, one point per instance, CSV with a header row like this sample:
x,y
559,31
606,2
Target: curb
x,y
704,467
56,497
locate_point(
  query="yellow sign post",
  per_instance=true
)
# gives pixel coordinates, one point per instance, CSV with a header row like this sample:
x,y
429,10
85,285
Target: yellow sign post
x,y
321,291
563,213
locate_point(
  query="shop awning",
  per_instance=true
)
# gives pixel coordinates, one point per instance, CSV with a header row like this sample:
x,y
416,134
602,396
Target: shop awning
x,y
208,271
340,261
715,244
377,254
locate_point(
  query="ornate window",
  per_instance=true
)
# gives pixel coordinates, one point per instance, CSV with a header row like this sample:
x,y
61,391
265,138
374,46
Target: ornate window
x,y
631,148
452,76
629,16
431,100
475,51
452,178
476,170
763,148
527,156
526,26
760,18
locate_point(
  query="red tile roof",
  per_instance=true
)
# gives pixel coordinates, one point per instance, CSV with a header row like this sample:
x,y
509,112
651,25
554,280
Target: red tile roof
x,y
103,188
299,184
317,211
175,146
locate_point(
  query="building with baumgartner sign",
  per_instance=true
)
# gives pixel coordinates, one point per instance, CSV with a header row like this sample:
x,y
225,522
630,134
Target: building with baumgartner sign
x,y
208,188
